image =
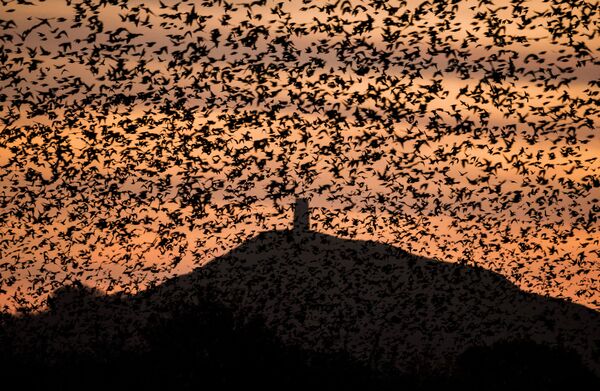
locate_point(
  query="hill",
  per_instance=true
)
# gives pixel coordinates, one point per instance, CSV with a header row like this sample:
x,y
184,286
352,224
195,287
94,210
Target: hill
x,y
299,308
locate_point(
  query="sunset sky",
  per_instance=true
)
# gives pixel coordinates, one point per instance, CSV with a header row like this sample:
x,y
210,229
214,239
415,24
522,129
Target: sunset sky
x,y
141,139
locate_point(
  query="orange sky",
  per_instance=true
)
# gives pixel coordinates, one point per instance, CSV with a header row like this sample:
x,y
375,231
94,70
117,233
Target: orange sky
x,y
560,255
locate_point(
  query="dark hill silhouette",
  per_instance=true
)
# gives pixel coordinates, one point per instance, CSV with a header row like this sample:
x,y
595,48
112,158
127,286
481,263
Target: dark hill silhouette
x,y
300,308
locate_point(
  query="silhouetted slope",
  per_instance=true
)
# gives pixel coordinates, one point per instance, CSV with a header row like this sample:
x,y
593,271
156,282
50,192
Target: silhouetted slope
x,y
382,305
292,307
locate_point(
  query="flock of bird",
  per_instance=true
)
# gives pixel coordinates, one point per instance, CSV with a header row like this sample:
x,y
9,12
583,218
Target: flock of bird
x,y
138,137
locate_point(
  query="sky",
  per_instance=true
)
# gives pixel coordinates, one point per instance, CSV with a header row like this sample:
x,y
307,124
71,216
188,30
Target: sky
x,y
142,139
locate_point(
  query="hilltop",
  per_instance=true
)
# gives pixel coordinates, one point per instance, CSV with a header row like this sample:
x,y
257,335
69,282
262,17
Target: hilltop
x,y
298,307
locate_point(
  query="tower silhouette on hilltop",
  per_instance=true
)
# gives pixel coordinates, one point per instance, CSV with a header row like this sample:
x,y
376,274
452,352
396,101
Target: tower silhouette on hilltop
x,y
301,215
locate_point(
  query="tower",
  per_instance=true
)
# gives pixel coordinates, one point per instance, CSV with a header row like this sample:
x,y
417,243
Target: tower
x,y
301,215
